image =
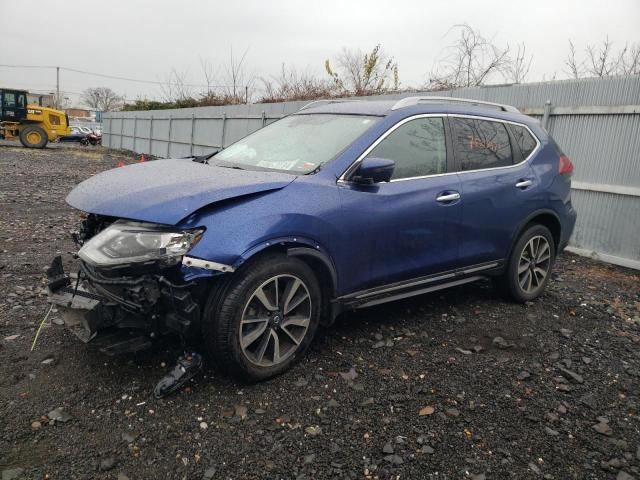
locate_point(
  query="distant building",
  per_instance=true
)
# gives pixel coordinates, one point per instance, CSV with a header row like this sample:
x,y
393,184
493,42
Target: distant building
x,y
83,114
78,112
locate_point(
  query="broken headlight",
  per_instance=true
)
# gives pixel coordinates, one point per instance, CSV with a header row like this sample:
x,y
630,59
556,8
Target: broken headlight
x,y
134,242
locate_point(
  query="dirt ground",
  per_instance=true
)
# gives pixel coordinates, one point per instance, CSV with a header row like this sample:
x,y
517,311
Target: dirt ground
x,y
453,385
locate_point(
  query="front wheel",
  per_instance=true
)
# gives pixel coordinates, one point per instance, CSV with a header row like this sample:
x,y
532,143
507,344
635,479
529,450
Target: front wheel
x,y
265,318
530,264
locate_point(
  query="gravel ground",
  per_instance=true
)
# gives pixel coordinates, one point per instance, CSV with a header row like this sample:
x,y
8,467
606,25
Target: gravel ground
x,y
454,385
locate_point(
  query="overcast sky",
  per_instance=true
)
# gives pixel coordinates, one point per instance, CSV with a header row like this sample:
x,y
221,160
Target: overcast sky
x,y
146,39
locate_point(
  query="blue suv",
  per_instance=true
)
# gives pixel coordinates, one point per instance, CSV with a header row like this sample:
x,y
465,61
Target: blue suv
x,y
343,205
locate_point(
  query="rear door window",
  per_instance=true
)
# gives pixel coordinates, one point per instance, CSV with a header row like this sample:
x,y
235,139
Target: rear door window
x,y
480,144
524,140
417,147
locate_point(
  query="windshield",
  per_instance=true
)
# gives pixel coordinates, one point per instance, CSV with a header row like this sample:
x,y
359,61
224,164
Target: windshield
x,y
298,144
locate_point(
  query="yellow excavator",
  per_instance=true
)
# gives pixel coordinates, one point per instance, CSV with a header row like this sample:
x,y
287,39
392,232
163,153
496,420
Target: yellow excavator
x,y
34,125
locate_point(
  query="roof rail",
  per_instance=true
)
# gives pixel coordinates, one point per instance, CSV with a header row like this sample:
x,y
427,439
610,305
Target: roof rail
x,y
328,101
409,101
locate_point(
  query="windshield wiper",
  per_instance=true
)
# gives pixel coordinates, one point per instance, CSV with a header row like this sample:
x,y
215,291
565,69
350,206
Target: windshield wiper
x,y
315,170
204,158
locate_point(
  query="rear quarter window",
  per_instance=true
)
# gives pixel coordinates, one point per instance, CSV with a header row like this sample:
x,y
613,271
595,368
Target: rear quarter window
x,y
525,141
481,144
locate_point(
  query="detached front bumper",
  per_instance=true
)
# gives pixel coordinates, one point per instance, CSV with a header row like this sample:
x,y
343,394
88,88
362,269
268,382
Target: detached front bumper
x,y
122,313
82,311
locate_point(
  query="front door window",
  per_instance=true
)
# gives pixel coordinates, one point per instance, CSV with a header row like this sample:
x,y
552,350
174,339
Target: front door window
x,y
417,147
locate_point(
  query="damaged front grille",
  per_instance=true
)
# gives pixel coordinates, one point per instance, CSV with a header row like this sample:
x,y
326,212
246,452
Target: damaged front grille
x,y
80,293
142,299
133,299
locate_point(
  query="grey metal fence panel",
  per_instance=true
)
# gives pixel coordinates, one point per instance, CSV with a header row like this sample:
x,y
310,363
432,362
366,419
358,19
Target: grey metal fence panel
x,y
208,132
604,148
181,131
608,224
179,150
604,145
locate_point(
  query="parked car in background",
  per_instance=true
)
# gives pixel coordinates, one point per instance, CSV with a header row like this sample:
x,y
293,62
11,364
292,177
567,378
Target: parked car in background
x,y
83,135
77,135
343,205
92,139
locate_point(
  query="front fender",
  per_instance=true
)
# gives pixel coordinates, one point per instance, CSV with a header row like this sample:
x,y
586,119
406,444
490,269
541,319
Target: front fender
x,y
301,217
194,268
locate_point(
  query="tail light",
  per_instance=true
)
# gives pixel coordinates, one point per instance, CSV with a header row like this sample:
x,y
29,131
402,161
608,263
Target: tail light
x,y
565,166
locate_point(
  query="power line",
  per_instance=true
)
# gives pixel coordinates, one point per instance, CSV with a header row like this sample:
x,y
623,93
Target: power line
x,y
51,90
117,77
27,66
152,82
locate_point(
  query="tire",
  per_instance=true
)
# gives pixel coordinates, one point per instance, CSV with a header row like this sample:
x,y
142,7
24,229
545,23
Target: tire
x,y
33,136
238,327
525,284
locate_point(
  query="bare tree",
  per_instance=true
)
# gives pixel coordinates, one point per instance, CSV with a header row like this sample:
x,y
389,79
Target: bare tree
x,y
294,85
177,93
602,60
102,98
364,74
575,67
237,80
209,77
174,88
629,60
473,60
518,67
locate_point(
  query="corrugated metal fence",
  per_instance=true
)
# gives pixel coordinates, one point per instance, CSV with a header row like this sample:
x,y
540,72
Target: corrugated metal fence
x,y
596,121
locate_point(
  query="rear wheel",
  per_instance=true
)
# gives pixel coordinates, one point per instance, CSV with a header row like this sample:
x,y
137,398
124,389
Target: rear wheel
x,y
530,264
265,319
33,136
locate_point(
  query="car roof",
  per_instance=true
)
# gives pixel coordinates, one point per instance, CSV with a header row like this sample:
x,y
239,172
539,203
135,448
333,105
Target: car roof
x,y
386,107
352,107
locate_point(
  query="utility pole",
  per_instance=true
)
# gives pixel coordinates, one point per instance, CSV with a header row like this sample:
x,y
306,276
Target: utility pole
x,y
57,88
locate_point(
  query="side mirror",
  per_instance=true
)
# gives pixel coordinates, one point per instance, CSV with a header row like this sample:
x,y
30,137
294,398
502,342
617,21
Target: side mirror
x,y
374,170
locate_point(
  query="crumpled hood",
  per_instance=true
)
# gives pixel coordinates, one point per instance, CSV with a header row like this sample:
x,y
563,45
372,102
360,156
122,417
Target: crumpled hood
x,y
166,191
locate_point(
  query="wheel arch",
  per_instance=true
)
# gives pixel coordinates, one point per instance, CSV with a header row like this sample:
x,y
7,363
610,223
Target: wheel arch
x,y
307,250
546,217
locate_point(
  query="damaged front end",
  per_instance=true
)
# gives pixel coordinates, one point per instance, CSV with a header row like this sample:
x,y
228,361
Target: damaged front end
x,y
128,284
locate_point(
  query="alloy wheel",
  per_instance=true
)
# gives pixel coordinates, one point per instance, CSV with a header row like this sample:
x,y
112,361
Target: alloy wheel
x,y
275,320
534,264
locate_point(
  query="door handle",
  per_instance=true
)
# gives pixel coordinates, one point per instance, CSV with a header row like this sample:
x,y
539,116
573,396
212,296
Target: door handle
x,y
448,197
524,183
